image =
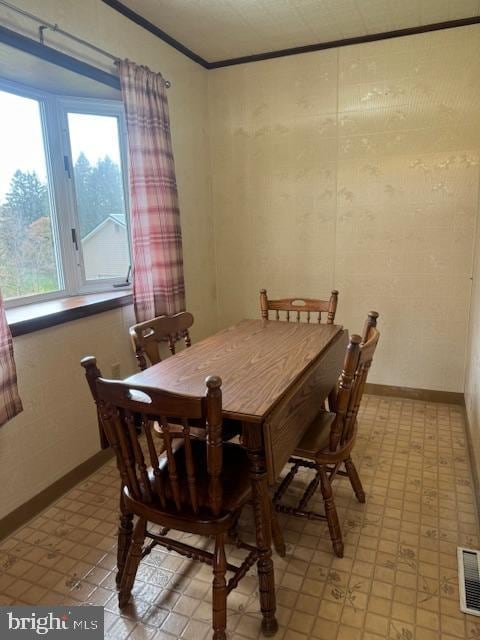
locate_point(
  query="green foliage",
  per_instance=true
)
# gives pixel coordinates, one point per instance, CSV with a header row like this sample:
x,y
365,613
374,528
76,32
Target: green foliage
x,y
27,256
28,197
99,191
82,172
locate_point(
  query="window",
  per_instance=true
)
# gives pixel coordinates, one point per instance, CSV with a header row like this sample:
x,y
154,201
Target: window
x,y
27,244
99,195
64,220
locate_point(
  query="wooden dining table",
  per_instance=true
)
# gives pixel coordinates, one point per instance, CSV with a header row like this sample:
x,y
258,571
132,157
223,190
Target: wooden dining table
x,y
275,378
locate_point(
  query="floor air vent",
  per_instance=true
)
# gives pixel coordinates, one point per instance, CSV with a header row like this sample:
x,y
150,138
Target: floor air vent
x,y
469,580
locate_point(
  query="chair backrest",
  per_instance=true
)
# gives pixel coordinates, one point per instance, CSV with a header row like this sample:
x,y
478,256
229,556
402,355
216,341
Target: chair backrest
x,y
92,373
147,336
295,307
351,386
164,419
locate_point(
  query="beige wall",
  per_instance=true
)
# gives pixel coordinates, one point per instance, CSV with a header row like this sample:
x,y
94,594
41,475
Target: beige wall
x,y
57,430
472,374
355,168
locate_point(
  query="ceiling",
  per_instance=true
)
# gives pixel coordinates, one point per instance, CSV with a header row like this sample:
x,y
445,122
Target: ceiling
x,y
223,29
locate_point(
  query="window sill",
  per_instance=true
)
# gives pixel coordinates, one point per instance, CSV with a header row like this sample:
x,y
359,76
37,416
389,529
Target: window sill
x,y
41,315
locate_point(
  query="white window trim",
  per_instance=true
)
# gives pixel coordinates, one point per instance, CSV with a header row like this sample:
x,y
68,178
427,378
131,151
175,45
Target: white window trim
x,y
63,207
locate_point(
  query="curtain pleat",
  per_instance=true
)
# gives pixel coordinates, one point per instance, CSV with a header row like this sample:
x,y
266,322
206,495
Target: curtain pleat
x,y
158,283
10,403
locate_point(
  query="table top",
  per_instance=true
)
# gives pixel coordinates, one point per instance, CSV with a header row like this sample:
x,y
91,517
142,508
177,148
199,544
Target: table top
x,y
258,361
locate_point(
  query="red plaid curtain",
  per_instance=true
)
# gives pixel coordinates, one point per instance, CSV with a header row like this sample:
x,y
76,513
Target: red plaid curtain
x,y
10,403
158,285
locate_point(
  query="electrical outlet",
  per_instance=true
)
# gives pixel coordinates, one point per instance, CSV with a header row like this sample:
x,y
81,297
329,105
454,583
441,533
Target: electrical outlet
x,y
116,370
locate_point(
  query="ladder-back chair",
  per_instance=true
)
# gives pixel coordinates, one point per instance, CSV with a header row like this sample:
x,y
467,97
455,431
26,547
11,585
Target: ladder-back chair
x,y
194,483
296,308
147,336
329,440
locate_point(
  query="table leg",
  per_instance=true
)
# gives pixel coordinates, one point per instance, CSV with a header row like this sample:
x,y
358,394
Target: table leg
x,y
278,541
253,440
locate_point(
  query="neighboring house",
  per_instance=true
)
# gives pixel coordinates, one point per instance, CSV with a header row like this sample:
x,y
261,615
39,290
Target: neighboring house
x,y
105,249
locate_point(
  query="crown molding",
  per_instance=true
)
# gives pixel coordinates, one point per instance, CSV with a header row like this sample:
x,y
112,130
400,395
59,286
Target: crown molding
x,y
333,44
149,26
319,46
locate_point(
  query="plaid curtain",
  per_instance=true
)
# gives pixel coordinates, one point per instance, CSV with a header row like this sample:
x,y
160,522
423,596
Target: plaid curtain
x,y
10,403
158,285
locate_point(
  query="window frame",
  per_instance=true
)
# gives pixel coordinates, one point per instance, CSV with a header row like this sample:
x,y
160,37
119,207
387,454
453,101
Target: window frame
x,y
109,108
54,111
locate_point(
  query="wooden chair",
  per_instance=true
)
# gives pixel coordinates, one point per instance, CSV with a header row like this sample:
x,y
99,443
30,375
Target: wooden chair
x,y
299,306
198,485
328,442
147,336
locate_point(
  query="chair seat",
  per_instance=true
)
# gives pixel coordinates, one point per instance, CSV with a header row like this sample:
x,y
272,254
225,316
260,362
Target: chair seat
x,y
236,484
316,437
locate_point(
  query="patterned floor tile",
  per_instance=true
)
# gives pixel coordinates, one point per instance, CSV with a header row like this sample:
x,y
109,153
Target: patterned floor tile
x,y
397,581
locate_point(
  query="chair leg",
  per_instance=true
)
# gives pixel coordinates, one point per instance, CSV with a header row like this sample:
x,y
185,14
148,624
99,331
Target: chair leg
x,y
133,560
332,400
219,600
309,492
277,536
331,513
125,528
233,531
355,480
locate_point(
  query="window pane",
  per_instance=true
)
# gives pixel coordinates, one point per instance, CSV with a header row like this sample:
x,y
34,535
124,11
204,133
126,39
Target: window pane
x,y
99,192
28,263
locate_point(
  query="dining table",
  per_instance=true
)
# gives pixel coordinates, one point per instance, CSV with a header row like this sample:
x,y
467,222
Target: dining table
x,y
276,376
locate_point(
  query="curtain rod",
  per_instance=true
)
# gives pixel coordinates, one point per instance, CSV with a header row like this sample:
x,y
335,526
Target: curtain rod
x,y
54,27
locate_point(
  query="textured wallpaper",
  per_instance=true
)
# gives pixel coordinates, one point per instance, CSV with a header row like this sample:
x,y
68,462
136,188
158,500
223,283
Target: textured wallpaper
x,y
355,168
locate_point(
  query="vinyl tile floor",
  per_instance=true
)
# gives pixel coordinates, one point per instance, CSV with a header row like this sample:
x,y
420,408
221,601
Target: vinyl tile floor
x,y
397,581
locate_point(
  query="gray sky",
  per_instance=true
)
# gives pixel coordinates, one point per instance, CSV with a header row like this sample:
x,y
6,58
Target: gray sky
x,y
21,138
